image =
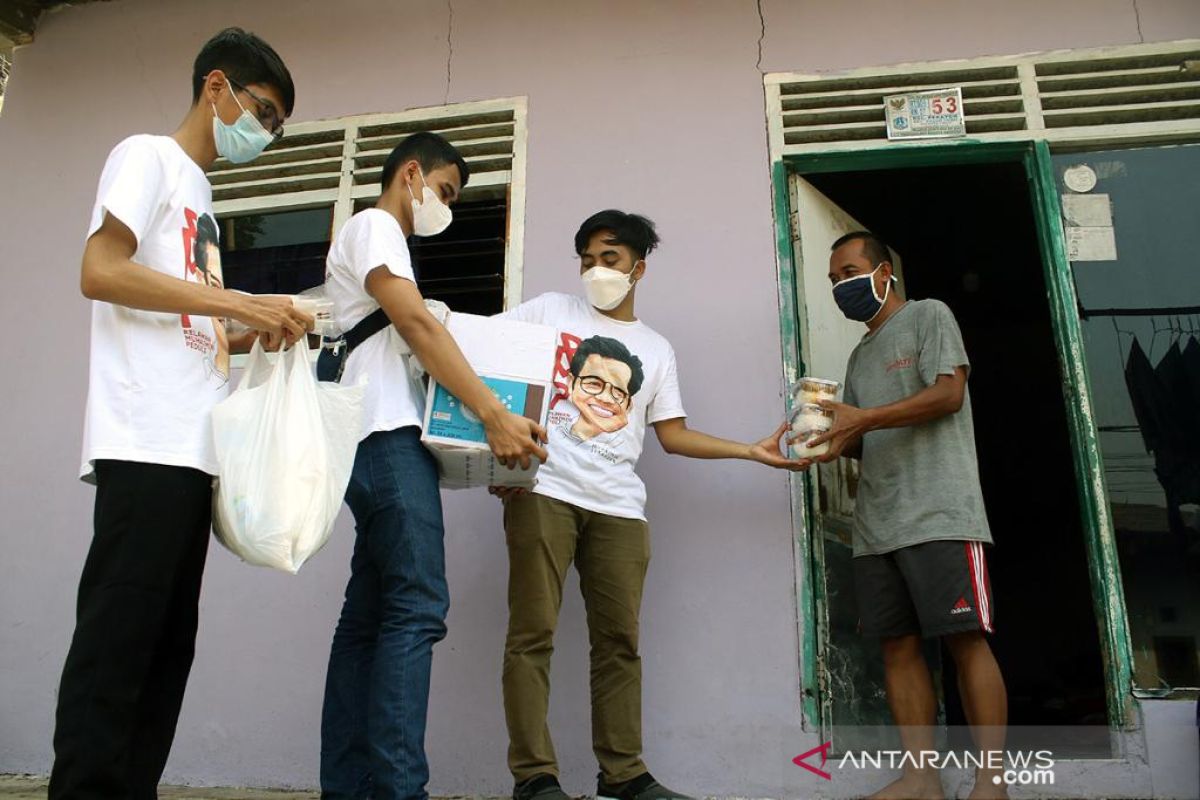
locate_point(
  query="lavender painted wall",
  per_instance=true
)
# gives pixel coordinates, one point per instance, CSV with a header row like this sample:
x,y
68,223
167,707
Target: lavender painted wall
x,y
655,107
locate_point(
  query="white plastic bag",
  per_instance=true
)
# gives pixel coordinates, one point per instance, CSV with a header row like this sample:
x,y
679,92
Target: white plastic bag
x,y
285,449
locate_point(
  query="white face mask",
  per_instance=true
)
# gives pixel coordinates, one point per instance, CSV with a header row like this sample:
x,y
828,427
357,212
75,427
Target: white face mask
x,y
430,216
606,287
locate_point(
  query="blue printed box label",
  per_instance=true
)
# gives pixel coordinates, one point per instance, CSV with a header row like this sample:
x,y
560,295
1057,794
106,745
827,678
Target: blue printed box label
x,y
449,418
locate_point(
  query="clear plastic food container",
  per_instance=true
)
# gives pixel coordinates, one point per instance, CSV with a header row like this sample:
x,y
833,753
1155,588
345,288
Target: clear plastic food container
x,y
807,422
811,390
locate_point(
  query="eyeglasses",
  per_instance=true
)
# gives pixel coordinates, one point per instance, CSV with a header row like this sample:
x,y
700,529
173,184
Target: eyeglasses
x,y
269,118
595,386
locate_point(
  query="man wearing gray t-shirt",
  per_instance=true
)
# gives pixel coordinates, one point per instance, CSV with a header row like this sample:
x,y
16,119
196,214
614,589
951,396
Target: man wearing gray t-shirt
x,y
919,520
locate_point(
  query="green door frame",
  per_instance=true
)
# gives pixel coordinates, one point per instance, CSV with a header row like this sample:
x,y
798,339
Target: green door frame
x,y
1103,566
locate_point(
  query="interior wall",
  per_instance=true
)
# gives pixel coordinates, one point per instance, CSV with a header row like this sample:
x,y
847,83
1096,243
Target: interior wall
x,y
654,107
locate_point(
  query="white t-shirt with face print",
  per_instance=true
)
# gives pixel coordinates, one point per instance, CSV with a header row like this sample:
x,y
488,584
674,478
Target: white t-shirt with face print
x,y
611,380
154,377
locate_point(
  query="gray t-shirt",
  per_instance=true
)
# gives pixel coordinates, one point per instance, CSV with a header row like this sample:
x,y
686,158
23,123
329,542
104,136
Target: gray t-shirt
x,y
921,483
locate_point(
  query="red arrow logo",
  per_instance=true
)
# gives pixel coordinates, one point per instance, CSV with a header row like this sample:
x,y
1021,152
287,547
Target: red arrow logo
x,y
824,751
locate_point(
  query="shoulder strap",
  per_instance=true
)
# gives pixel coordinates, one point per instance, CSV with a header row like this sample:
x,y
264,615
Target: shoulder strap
x,y
367,327
335,353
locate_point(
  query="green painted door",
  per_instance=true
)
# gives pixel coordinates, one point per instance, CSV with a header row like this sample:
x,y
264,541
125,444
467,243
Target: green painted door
x,y
844,671
853,703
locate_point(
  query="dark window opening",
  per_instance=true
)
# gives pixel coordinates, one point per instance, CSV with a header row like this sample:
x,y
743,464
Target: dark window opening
x,y
464,265
1141,332
276,253
284,253
1177,661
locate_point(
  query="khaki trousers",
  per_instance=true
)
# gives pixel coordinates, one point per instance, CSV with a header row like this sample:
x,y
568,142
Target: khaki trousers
x,y
611,555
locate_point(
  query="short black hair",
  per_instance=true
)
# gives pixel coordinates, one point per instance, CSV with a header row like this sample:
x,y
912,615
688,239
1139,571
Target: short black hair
x,y
206,233
609,348
245,59
873,247
430,151
632,230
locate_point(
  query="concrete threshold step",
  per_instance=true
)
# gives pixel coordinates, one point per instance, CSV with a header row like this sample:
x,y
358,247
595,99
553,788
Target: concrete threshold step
x,y
33,787
28,787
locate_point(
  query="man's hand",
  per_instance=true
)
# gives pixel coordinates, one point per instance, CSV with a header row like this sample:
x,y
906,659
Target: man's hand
x,y
505,492
513,439
849,424
766,451
273,315
108,274
241,341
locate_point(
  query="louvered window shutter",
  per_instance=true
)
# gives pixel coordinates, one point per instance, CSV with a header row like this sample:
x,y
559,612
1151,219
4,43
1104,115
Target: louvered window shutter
x,y
1137,93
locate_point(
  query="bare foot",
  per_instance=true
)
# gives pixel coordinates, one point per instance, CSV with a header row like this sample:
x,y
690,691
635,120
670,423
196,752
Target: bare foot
x,y
988,788
916,786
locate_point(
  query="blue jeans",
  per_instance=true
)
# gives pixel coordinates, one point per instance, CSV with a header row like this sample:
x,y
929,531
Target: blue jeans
x,y
377,687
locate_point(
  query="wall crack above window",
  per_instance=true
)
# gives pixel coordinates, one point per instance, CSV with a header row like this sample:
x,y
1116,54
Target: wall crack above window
x,y
449,46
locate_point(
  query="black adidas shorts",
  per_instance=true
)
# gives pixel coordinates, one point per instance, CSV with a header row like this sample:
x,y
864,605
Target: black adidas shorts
x,y
934,588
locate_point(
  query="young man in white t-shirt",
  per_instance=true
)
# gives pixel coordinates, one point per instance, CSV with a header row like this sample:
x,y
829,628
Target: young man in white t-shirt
x,y
377,685
159,362
614,376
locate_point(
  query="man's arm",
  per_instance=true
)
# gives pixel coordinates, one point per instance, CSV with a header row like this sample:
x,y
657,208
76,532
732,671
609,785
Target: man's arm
x,y
678,439
109,274
511,437
942,398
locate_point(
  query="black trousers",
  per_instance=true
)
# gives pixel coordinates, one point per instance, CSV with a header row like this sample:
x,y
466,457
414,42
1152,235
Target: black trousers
x,y
135,631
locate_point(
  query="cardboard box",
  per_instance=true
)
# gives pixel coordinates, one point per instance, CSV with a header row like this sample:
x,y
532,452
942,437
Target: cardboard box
x,y
516,361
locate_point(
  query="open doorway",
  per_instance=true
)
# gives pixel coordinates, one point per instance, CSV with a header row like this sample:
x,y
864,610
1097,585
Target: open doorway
x,y
968,237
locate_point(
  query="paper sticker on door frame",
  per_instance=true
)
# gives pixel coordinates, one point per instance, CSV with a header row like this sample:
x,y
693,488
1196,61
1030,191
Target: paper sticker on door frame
x,y
1087,210
934,114
1080,178
1093,243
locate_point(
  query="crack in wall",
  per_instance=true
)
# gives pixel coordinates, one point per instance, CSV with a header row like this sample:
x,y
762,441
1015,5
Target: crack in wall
x,y
1137,14
132,21
762,34
449,47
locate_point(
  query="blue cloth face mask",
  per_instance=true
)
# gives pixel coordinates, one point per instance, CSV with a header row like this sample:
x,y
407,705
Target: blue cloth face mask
x,y
244,140
857,299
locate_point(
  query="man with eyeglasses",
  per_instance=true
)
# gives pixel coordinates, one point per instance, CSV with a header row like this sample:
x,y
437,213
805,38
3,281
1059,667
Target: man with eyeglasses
x,y
269,117
614,376
157,367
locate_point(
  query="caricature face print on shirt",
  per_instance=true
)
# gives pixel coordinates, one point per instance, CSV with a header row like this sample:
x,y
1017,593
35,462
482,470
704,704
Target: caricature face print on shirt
x,y
604,378
203,251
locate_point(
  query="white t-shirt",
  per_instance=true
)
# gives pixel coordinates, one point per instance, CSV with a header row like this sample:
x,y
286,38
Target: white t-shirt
x,y
154,377
611,380
373,238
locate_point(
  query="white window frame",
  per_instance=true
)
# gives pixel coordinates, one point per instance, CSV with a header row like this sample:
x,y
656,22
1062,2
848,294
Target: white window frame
x,y
6,53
